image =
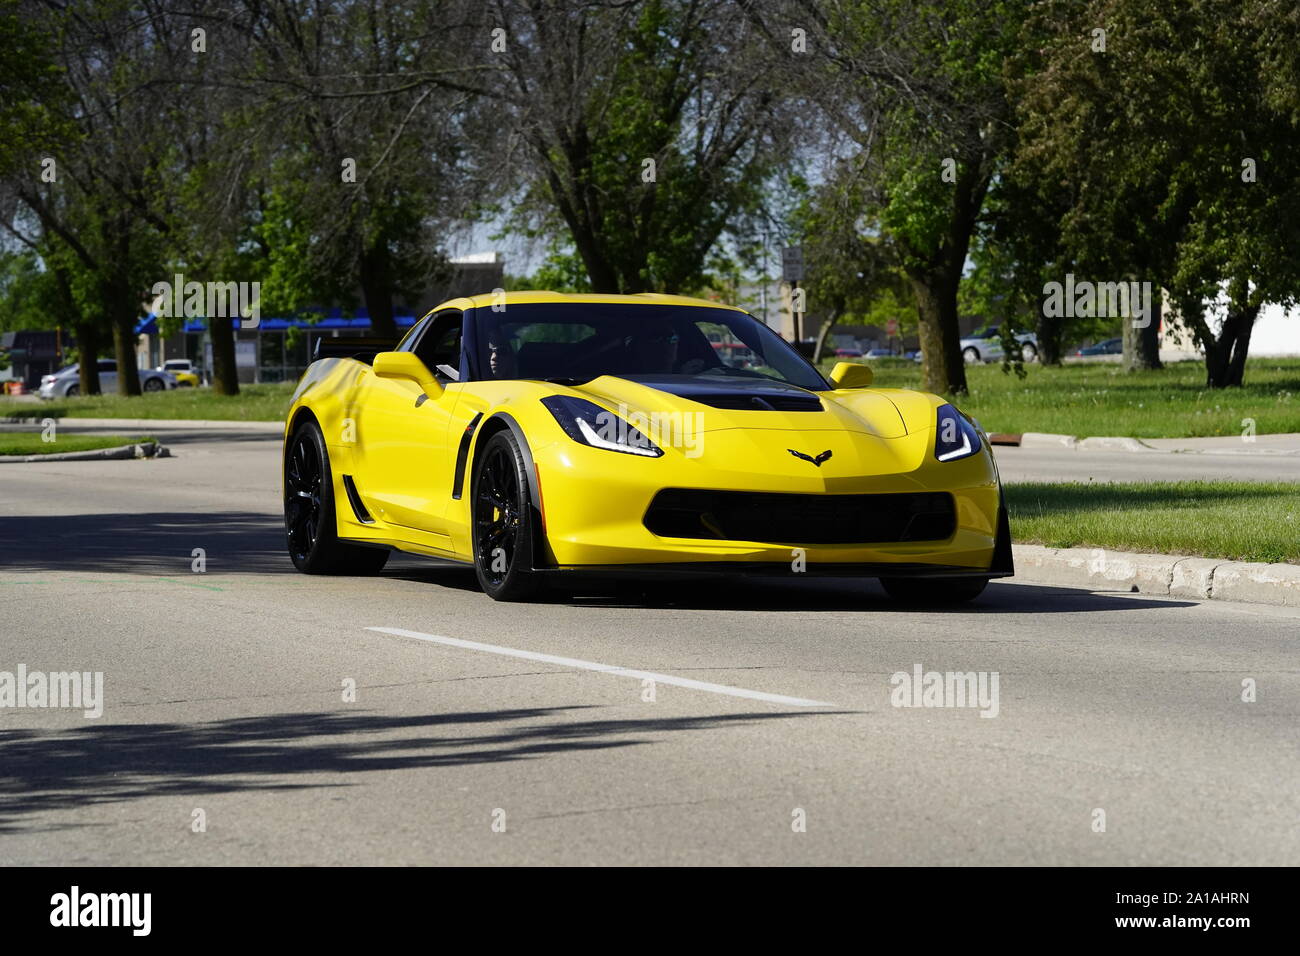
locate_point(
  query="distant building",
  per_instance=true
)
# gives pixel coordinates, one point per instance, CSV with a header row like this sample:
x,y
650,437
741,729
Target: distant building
x,y
280,349
31,355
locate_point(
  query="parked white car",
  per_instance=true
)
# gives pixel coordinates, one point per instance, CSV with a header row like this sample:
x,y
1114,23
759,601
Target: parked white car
x,y
986,346
183,371
66,381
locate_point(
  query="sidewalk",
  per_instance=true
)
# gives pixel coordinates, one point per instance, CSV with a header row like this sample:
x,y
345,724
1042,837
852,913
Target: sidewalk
x,y
1284,444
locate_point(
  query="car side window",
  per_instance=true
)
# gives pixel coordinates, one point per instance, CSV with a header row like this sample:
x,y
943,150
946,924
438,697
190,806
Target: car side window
x,y
440,344
413,335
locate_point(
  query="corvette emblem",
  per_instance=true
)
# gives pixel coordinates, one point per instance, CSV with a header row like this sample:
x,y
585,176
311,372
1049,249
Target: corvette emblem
x,y
816,461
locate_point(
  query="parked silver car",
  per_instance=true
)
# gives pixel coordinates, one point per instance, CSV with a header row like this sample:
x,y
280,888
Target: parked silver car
x,y
66,381
986,346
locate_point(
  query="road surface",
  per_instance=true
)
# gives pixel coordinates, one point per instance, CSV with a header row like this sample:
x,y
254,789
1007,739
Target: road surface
x,y
753,723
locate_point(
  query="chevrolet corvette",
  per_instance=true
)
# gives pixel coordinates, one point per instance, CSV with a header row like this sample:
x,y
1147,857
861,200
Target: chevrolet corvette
x,y
541,437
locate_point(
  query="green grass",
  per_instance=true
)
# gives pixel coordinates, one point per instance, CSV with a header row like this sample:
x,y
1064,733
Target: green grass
x,y
30,443
1101,399
254,403
1239,521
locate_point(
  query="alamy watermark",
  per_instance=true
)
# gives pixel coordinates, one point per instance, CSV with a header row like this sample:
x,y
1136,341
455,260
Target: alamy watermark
x,y
209,300
636,429
1085,299
79,690
922,688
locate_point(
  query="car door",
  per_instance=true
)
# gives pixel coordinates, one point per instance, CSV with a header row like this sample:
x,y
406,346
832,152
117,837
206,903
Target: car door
x,y
107,375
405,465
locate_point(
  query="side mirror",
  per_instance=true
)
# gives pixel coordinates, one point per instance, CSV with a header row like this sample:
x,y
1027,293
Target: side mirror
x,y
851,375
406,365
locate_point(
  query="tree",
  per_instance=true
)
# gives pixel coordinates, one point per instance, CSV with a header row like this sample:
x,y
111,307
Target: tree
x,y
918,88
1175,139
642,133
852,272
94,196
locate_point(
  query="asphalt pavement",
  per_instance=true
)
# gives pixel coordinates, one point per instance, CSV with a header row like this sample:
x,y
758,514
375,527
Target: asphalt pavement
x,y
252,714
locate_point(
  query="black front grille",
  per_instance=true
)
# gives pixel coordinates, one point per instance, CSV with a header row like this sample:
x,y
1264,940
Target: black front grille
x,y
758,403
802,519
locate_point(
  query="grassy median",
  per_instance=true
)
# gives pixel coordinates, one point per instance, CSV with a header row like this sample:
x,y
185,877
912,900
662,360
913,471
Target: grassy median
x,y
1235,520
31,443
1102,399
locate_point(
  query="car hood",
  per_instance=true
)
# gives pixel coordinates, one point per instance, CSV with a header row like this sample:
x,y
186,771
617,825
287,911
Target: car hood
x,y
742,403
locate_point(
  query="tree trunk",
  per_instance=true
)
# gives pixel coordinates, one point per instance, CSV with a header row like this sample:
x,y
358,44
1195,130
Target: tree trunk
x,y
225,373
88,357
128,373
942,367
1142,346
1050,330
377,287
1225,356
823,334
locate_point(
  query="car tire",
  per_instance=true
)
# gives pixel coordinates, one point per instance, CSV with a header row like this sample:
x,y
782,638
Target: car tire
x,y
153,385
72,391
310,526
934,591
501,521
1028,352
971,355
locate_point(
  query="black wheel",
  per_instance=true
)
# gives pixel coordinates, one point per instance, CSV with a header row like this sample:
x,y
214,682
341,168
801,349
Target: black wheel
x,y
934,591
309,524
154,385
971,355
72,391
503,521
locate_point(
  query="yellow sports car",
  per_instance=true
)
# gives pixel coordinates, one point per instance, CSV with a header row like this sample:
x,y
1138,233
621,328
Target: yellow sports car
x,y
544,437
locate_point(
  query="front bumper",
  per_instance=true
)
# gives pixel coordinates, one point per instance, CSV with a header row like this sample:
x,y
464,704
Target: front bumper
x,y
595,504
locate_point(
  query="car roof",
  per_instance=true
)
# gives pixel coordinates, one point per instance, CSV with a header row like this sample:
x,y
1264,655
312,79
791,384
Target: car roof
x,y
488,299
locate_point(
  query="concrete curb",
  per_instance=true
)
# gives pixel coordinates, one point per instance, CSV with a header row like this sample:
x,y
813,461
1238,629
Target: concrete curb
x,y
1111,443
147,449
1167,575
172,423
1046,440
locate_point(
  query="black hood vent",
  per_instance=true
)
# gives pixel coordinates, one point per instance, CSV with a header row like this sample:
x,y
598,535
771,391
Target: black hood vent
x,y
773,402
747,395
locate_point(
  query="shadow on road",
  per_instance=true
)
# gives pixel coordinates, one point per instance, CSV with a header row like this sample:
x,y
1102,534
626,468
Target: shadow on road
x,y
744,593
152,542
109,763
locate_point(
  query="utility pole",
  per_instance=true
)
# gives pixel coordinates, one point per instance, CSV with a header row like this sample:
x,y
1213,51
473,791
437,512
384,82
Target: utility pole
x,y
792,272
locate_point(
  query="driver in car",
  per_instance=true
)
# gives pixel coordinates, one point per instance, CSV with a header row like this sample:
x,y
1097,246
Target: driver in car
x,y
501,357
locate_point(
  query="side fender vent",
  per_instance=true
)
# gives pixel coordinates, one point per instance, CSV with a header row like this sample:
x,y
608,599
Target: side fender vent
x,y
354,500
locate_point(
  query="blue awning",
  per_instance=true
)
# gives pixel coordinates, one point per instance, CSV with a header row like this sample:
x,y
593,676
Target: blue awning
x,y
331,320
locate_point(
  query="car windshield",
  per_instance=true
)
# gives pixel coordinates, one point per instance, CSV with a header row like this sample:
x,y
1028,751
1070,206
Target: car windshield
x,y
991,332
577,342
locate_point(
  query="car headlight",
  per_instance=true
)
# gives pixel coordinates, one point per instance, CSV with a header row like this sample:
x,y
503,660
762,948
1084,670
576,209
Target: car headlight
x,y
954,437
589,424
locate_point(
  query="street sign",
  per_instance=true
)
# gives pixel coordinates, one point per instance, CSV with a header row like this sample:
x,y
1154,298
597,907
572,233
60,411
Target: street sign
x,y
891,328
792,264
